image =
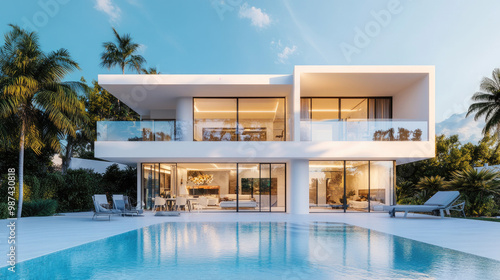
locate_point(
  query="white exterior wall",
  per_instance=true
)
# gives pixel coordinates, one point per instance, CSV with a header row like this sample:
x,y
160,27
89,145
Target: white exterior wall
x,y
299,187
184,118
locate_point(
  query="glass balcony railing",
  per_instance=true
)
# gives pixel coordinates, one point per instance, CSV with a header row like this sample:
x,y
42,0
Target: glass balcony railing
x,y
329,130
364,130
136,131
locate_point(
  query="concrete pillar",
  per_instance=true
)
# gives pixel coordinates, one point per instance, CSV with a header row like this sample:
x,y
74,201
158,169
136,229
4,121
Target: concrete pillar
x,y
139,186
184,118
299,182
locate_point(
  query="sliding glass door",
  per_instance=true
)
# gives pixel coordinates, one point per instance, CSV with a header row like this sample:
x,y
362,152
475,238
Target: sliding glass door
x,y
262,187
217,186
350,185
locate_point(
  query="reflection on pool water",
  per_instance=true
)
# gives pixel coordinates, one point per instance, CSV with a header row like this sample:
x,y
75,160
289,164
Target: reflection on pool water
x,y
256,251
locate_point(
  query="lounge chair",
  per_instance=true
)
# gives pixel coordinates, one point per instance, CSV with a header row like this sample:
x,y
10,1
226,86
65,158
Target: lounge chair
x,y
102,200
442,201
119,205
100,210
128,205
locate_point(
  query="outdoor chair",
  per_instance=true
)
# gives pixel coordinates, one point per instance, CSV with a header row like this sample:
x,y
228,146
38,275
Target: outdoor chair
x,y
128,205
120,205
442,201
100,211
102,200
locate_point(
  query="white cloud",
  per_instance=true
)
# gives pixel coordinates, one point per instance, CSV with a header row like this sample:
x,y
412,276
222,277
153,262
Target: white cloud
x,y
108,7
256,15
286,53
142,48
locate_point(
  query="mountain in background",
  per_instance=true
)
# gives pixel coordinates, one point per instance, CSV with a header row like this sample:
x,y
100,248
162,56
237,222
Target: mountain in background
x,y
468,129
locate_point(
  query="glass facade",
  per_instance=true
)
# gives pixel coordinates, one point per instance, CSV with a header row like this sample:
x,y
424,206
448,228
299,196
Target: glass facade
x,y
350,185
327,108
239,119
233,187
356,119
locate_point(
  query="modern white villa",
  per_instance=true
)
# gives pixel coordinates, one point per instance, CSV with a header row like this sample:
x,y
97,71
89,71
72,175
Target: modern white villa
x,y
324,139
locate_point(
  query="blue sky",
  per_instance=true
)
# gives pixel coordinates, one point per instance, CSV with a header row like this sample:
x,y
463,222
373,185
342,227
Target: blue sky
x,y
268,37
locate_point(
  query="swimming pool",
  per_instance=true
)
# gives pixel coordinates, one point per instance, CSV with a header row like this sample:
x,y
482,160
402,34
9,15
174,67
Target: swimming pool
x,y
263,250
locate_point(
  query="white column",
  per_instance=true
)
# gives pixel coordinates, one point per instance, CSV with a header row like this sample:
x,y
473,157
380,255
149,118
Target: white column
x,y
295,110
299,182
184,118
139,187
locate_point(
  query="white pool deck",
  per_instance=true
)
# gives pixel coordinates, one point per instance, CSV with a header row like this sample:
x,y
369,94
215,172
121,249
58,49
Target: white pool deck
x,y
37,236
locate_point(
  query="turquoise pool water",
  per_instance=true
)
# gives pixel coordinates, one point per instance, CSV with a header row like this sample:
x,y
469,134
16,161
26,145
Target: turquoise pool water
x,y
256,251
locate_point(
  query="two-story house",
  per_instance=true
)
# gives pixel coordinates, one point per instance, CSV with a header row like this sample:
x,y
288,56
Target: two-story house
x,y
325,139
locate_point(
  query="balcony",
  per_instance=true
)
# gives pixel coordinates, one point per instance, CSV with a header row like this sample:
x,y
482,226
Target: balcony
x,y
364,130
329,130
182,131
136,130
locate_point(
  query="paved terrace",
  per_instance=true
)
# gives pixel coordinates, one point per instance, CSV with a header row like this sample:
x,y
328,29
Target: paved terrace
x,y
37,236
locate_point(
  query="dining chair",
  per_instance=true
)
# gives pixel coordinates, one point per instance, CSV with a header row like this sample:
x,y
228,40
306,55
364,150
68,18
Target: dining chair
x,y
159,202
180,202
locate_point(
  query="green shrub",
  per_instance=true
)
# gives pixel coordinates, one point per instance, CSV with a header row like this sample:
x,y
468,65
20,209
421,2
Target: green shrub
x,y
41,207
76,193
116,181
50,184
4,214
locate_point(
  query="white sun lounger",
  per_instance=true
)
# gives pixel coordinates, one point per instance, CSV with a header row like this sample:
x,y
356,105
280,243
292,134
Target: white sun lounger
x,y
442,201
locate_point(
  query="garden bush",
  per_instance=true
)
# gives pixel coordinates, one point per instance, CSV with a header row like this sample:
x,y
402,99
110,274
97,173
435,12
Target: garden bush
x,y
39,207
116,181
76,192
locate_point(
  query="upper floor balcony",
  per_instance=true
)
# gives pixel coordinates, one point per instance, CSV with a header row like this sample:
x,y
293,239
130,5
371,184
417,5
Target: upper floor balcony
x,y
364,130
319,112
329,130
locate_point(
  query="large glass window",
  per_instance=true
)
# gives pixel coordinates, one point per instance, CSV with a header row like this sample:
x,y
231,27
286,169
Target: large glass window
x,y
326,184
354,108
345,119
261,119
239,119
216,186
214,119
381,184
158,180
262,187
357,186
350,185
380,108
322,109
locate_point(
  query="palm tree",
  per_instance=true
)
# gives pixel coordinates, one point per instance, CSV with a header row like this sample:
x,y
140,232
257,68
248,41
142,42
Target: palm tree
x,y
123,54
431,184
478,188
151,70
37,105
487,102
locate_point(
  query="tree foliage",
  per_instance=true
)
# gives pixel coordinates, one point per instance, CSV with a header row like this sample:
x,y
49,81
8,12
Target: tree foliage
x,y
478,188
123,53
452,169
36,105
487,103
